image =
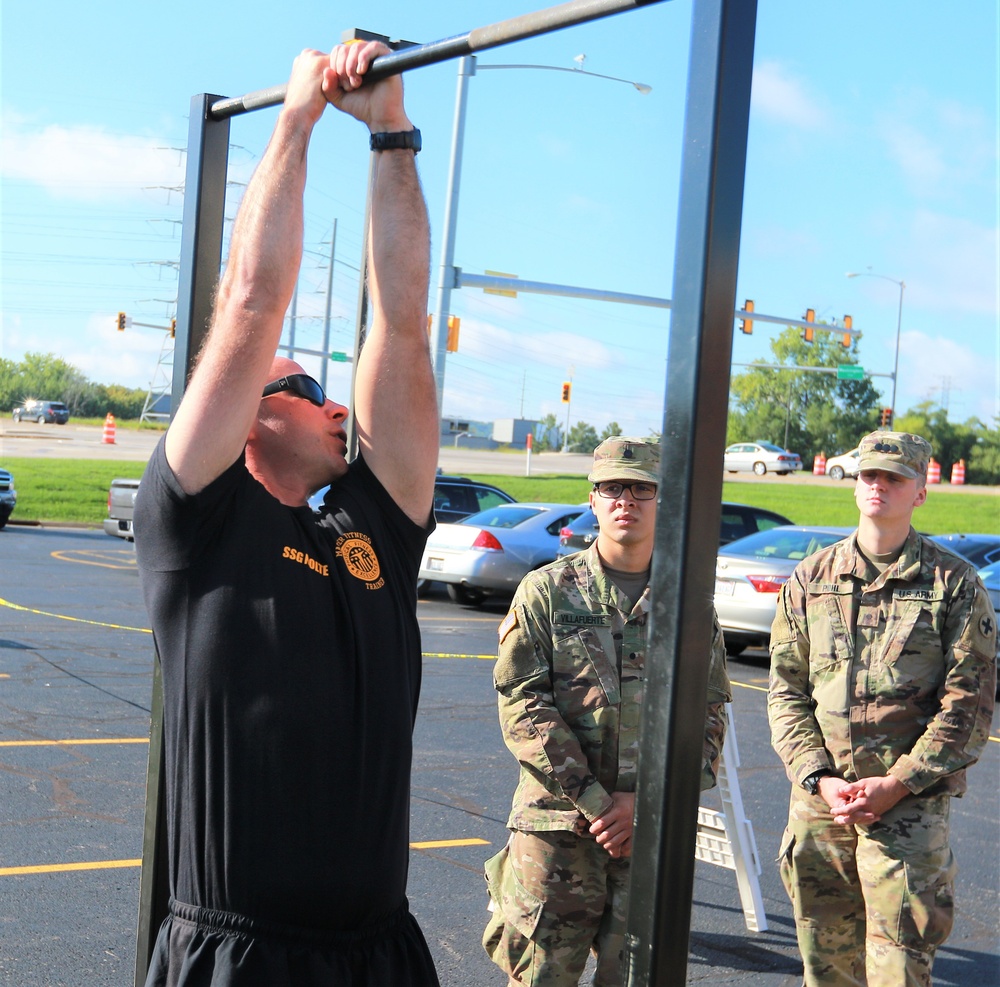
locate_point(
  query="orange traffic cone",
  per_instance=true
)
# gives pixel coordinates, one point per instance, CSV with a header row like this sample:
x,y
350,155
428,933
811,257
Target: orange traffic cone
x,y
933,471
109,430
958,472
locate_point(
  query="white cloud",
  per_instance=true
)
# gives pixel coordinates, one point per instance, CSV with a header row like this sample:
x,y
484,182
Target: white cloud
x,y
87,163
782,98
942,147
939,369
952,264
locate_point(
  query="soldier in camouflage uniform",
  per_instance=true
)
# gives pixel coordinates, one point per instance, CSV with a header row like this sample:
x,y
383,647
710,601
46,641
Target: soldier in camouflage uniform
x,y
881,695
570,680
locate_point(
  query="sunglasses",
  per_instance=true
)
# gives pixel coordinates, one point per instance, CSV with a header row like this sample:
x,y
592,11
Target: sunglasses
x,y
300,384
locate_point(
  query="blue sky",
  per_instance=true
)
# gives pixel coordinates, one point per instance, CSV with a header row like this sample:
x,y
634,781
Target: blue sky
x,y
873,146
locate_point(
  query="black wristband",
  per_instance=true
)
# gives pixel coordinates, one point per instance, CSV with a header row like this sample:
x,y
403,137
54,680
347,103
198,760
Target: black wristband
x,y
408,140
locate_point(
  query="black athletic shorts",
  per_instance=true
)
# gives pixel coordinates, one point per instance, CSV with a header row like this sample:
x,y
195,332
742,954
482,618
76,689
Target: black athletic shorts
x,y
203,947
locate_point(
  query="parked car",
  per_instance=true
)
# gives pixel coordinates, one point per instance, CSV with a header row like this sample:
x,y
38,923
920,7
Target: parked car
x,y
750,571
455,497
43,412
121,507
490,552
980,550
759,457
8,496
738,520
846,464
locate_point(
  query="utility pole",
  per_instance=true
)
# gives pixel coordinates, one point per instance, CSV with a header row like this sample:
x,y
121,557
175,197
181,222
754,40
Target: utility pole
x,y
326,319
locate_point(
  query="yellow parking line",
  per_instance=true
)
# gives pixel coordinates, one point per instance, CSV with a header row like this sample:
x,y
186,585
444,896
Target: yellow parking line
x,y
78,620
435,844
112,864
60,868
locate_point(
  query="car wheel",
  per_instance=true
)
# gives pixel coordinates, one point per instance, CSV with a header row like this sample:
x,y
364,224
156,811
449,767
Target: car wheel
x,y
734,648
759,468
16,416
837,473
40,419
423,585
468,595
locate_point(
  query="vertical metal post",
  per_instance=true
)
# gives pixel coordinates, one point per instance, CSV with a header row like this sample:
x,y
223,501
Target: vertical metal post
x,y
687,529
201,258
361,320
326,319
446,277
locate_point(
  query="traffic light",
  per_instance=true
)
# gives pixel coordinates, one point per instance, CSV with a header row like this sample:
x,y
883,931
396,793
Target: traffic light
x,y
808,332
173,328
886,419
121,321
565,392
746,325
453,325
847,339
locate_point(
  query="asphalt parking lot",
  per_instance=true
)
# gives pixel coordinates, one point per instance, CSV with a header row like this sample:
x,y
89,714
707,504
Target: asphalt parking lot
x,y
75,680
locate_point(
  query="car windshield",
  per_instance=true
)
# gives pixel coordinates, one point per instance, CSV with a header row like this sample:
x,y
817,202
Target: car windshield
x,y
783,543
505,516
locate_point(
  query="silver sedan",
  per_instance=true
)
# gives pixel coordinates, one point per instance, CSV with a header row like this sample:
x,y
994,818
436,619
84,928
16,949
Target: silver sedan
x,y
759,457
491,552
750,571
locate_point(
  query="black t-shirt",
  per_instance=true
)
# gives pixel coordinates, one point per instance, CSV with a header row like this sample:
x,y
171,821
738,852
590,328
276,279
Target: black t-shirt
x,y
291,666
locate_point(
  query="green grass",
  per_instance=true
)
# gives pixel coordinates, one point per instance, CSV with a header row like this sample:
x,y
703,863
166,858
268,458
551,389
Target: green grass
x,y
943,513
76,490
66,489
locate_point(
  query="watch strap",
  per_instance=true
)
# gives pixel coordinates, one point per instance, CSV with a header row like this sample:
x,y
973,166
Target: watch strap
x,y
399,140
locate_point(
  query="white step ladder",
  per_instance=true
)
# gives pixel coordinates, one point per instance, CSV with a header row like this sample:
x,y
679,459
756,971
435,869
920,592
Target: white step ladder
x,y
726,838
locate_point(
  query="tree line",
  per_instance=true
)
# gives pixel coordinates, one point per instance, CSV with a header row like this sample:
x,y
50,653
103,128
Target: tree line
x,y
50,378
805,411
809,411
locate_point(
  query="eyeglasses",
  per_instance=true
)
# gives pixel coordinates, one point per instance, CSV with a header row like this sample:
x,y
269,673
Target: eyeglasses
x,y
301,384
612,489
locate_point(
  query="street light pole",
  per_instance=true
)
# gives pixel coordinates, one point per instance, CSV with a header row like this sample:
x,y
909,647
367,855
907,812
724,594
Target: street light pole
x,y
468,67
899,326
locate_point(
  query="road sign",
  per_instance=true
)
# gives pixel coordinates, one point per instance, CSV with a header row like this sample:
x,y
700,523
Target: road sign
x,y
850,371
337,356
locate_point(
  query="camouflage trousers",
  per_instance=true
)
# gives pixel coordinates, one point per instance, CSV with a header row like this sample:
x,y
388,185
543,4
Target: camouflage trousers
x,y
872,903
554,898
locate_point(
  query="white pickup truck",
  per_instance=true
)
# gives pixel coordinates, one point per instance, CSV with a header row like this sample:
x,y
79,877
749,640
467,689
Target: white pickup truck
x,y
121,506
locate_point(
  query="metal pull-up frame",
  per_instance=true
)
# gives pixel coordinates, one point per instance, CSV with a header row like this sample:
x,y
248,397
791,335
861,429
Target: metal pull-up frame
x,y
694,425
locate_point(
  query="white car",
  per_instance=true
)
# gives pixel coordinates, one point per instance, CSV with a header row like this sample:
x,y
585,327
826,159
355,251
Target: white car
x,y
846,464
759,457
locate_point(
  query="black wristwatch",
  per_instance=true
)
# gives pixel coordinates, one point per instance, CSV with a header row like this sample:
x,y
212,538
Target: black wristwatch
x,y
811,782
399,140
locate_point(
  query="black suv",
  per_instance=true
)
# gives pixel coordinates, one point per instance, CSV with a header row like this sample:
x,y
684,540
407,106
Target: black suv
x,y
737,520
456,497
42,412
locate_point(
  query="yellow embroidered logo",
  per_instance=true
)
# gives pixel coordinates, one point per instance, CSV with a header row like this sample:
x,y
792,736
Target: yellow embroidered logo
x,y
355,549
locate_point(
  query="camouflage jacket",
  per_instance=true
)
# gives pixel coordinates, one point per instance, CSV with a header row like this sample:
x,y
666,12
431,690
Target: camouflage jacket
x,y
570,680
891,673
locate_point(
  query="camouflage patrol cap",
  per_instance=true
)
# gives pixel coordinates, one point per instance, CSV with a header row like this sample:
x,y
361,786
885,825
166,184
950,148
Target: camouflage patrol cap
x,y
895,452
621,458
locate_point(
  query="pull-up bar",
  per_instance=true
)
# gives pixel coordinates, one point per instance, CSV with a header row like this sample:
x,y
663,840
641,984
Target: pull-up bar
x,y
478,39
